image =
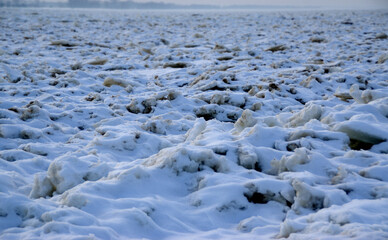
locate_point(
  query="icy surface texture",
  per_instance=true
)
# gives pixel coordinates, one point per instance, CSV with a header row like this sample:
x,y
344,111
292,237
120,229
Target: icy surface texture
x,y
193,125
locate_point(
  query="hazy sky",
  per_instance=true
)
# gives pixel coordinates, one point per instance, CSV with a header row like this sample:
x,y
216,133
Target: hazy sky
x,y
302,3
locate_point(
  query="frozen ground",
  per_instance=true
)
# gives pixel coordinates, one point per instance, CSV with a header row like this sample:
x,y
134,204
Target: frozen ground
x,y
182,125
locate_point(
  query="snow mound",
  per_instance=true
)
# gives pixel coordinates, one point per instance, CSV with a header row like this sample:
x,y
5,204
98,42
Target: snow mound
x,y
188,159
67,172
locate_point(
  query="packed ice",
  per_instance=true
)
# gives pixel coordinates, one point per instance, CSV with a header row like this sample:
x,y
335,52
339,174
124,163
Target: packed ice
x,y
193,124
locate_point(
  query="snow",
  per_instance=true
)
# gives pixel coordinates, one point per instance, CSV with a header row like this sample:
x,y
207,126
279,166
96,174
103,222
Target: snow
x,y
193,125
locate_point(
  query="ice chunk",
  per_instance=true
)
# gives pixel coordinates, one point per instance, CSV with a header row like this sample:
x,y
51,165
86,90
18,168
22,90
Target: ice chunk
x,y
74,199
367,95
193,133
288,227
307,196
218,99
383,57
248,158
265,190
288,163
13,75
156,126
355,93
42,186
63,43
66,172
372,95
312,111
187,159
376,172
363,131
19,131
108,82
208,112
98,61
276,48
246,120
10,131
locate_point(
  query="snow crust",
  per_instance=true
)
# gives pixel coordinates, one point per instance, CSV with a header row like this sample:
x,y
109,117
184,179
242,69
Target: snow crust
x,y
193,125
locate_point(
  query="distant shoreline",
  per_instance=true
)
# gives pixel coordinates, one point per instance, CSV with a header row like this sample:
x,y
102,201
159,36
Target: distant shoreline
x,y
129,5
283,9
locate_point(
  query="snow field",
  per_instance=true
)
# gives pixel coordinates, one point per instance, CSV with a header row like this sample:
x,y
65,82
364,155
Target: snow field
x,y
183,125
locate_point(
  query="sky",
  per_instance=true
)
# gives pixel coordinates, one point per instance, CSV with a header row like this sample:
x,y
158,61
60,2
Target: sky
x,y
356,4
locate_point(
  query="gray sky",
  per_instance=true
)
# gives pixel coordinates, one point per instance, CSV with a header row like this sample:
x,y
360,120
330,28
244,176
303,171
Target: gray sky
x,y
356,4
